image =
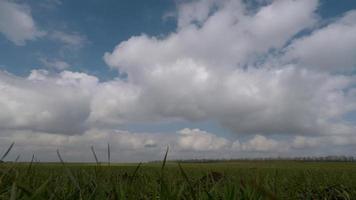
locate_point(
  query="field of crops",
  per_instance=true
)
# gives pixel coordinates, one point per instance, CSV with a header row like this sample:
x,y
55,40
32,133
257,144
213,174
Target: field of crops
x,y
171,180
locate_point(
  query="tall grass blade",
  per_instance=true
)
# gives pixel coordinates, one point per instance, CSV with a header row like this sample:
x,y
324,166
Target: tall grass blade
x,y
163,187
7,152
164,159
30,165
70,175
185,176
135,172
17,158
60,157
109,156
94,154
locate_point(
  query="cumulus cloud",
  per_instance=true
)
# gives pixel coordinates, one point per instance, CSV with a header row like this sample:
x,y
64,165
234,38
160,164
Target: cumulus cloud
x,y
41,102
220,69
261,143
331,48
228,38
254,71
17,24
229,20
199,140
218,65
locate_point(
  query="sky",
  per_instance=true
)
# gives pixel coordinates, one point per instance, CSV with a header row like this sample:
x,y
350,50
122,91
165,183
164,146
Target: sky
x,y
214,79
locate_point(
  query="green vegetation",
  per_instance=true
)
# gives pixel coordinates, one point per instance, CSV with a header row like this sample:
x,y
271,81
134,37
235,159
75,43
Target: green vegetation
x,y
172,180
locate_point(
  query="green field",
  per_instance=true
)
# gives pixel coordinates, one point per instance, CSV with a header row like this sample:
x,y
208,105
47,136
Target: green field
x,y
220,180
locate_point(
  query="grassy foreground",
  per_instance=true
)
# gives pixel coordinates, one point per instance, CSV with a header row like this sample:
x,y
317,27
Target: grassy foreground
x,y
172,180
230,180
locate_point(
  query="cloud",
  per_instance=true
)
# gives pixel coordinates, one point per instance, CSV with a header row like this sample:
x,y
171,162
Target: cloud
x,y
300,142
17,24
54,64
235,80
130,146
331,48
261,143
184,144
303,142
69,39
226,63
41,102
115,103
228,38
195,12
199,140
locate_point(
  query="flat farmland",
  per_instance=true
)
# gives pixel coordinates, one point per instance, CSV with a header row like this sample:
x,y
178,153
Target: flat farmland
x,y
171,180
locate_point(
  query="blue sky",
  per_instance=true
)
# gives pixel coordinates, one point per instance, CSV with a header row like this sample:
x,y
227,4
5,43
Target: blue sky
x,y
183,73
104,25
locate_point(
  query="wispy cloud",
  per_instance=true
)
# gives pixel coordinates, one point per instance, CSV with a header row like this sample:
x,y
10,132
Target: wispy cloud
x,y
69,39
17,24
54,64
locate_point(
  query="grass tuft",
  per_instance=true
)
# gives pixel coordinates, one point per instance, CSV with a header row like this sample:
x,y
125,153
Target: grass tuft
x,y
7,151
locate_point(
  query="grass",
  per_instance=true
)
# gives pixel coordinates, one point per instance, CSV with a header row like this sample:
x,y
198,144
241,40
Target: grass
x,y
172,180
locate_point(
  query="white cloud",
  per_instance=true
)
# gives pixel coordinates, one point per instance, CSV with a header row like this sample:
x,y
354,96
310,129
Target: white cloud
x,y
179,77
115,103
218,65
54,64
261,143
329,48
287,100
17,24
228,38
194,12
40,102
300,142
199,140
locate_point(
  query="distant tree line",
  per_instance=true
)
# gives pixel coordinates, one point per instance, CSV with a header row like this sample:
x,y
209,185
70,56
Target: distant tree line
x,y
302,158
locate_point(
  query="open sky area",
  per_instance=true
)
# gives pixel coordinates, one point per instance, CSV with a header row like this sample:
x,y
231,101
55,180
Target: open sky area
x,y
208,78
